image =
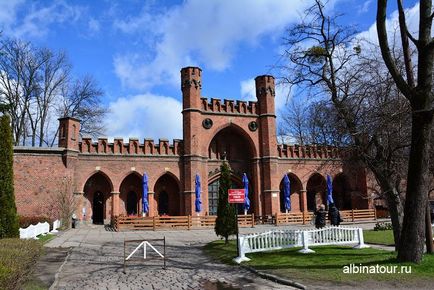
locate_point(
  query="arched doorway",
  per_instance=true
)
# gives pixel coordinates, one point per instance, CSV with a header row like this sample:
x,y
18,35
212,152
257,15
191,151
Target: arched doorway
x,y
167,196
97,204
98,208
342,192
316,191
233,145
132,205
295,190
213,195
130,194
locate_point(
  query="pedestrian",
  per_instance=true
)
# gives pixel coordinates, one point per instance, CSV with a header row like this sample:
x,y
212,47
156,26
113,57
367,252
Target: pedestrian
x,y
320,217
334,215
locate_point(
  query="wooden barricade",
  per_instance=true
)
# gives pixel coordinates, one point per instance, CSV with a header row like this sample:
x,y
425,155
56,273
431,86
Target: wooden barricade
x,y
247,220
305,217
187,222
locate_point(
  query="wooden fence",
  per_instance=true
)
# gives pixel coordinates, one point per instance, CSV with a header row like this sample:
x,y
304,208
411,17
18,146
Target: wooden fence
x,y
120,223
306,217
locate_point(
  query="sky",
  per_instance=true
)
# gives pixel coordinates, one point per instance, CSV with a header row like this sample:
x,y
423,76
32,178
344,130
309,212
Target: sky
x,y
135,49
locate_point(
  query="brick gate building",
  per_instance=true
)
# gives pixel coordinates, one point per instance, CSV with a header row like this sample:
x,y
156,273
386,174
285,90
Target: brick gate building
x,y
106,178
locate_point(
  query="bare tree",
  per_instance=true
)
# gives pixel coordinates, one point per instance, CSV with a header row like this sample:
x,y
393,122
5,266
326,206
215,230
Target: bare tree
x,y
81,99
18,82
325,60
419,91
63,203
37,86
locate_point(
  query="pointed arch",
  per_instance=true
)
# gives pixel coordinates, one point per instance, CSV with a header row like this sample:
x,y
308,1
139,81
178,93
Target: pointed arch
x,y
238,130
342,192
295,193
97,191
130,191
98,172
167,197
316,191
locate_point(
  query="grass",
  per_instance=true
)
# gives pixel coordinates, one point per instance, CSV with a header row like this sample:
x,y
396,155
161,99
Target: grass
x,y
326,265
46,238
17,258
379,237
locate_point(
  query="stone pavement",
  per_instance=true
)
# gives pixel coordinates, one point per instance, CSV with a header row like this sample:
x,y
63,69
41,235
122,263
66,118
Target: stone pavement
x,y
95,261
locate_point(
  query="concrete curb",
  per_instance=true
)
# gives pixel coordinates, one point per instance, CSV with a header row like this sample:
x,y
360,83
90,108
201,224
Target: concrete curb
x,y
274,278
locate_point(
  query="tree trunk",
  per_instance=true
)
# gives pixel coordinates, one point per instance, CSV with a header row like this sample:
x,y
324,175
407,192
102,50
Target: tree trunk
x,y
394,204
396,215
412,241
428,230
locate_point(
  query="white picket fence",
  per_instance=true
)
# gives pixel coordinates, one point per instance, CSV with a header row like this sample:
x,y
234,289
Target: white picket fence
x,y
282,239
33,231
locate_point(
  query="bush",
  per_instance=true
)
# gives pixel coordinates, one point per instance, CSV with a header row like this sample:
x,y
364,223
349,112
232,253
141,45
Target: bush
x,y
383,226
225,224
17,259
8,210
26,221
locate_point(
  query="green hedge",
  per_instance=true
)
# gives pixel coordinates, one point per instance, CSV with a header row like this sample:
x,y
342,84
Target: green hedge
x,y
17,260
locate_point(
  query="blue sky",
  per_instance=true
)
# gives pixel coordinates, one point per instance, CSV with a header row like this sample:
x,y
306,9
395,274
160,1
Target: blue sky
x,y
135,49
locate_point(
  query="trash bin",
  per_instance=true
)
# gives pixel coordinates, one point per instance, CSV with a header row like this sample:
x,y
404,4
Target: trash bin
x,y
74,221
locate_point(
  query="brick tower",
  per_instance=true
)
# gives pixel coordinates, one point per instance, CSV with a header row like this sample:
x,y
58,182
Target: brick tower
x,y
191,115
265,93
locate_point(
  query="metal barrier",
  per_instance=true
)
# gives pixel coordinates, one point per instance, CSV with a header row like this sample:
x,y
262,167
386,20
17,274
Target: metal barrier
x,y
145,244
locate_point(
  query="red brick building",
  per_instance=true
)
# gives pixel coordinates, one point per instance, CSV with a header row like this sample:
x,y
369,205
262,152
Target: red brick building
x,y
106,177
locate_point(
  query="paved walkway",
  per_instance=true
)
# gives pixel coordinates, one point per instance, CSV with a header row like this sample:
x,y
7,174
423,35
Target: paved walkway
x,y
95,261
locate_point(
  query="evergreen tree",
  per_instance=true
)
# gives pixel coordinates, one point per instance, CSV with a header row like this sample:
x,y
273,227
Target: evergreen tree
x,y
9,226
225,223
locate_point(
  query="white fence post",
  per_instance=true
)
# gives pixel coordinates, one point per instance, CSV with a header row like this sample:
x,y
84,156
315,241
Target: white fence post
x,y
305,240
56,225
242,247
361,244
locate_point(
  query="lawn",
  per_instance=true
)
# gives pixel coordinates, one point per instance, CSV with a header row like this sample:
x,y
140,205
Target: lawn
x,y
326,265
379,237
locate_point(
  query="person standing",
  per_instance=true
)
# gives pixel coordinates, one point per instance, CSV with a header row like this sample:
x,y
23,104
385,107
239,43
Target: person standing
x,y
334,215
320,217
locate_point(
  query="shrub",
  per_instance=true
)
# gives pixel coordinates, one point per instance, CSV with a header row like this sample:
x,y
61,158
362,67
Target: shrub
x,y
225,224
381,226
17,259
8,210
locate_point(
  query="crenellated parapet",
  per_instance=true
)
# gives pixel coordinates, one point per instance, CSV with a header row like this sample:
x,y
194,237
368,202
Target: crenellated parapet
x,y
229,106
309,152
132,147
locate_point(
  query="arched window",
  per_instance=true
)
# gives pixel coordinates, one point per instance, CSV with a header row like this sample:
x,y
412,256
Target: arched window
x,y
213,197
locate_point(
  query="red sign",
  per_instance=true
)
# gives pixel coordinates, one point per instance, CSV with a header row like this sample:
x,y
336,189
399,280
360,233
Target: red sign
x,y
236,195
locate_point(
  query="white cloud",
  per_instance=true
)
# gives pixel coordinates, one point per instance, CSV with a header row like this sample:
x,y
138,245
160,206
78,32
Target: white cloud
x,y
364,7
248,90
94,25
35,20
206,33
145,115
8,12
392,25
248,93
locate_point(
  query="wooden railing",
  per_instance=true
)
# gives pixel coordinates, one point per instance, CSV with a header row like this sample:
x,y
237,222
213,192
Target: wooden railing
x,y
120,223
305,217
